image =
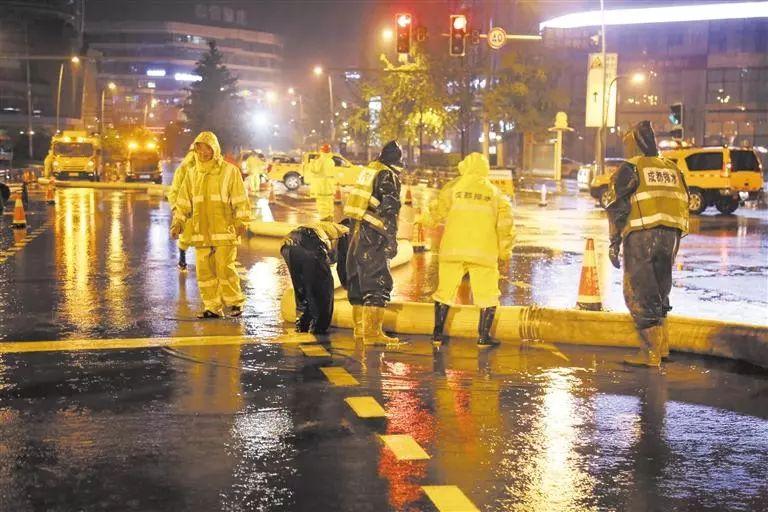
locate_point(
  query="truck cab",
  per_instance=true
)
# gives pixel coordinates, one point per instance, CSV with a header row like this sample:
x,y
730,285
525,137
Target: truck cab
x,y
143,162
76,155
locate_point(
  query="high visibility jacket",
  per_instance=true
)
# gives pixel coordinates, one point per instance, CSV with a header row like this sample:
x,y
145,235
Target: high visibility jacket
x,y
361,204
322,178
661,198
479,226
213,196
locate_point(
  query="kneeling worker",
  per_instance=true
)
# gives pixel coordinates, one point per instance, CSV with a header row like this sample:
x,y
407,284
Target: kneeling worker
x,y
309,251
479,233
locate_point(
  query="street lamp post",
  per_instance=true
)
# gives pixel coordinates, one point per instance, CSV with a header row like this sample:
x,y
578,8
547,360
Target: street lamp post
x,y
318,70
636,78
58,97
111,86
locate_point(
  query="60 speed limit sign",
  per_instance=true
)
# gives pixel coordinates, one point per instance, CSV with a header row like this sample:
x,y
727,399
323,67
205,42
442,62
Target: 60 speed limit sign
x,y
497,37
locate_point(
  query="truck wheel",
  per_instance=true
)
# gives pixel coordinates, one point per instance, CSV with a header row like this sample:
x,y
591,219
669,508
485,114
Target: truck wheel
x,y
696,201
292,181
605,197
727,205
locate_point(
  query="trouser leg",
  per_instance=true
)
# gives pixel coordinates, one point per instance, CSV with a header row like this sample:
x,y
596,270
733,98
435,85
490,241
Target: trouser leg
x,y
294,259
485,285
325,206
207,280
642,292
226,271
321,295
449,276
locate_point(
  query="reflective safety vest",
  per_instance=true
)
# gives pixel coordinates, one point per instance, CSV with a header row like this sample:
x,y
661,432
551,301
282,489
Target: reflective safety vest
x,y
661,198
361,205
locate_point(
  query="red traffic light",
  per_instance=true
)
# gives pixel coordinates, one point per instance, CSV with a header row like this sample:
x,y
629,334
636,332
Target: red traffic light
x,y
459,22
403,20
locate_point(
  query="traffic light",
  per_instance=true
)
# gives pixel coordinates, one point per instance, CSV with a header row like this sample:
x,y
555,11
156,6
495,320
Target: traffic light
x,y
403,32
676,118
458,35
421,33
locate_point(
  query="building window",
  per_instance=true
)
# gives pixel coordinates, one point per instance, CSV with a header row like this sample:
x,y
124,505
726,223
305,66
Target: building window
x,y
214,11
201,12
241,19
675,39
229,14
737,86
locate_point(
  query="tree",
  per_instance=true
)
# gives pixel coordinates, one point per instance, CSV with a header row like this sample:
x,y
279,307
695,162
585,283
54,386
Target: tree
x,y
213,103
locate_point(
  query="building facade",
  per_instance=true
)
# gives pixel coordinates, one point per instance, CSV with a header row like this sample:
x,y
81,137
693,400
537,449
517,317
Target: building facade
x,y
152,62
716,68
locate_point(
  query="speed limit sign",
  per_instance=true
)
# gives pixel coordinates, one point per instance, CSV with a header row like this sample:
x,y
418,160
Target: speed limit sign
x,y
497,37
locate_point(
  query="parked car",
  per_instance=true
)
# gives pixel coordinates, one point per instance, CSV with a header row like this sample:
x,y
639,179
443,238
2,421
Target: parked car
x,y
293,175
598,184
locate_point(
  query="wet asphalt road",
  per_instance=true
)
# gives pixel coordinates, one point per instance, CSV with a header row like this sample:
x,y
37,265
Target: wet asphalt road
x,y
257,425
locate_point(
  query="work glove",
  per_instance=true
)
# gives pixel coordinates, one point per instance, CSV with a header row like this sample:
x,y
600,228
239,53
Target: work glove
x,y
613,254
175,231
241,229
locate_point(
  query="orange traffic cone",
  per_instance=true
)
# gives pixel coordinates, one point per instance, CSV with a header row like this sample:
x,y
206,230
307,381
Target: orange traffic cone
x,y
338,198
417,236
589,288
271,198
19,217
408,196
50,193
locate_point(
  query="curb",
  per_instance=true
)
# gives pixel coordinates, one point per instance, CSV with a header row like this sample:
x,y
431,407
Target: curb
x,y
115,185
532,324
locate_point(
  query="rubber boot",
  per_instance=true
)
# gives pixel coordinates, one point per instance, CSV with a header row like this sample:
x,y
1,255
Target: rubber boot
x,y
357,318
182,260
441,314
650,348
664,341
484,328
373,318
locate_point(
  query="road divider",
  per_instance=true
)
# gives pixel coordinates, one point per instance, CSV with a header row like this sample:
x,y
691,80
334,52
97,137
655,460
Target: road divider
x,y
533,324
151,188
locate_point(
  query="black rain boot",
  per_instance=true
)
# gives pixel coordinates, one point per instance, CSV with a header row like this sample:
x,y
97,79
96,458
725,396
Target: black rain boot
x,y
484,328
182,260
441,314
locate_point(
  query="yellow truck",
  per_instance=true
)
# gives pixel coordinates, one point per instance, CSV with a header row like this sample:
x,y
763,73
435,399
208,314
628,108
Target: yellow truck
x,y
143,162
293,175
76,155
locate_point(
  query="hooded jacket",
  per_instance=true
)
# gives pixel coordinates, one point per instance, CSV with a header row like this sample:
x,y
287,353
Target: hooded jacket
x,y
213,196
322,175
479,227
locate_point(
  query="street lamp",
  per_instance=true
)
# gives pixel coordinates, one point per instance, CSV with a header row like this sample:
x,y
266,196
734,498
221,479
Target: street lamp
x,y
270,96
318,71
636,78
300,98
74,60
112,87
387,34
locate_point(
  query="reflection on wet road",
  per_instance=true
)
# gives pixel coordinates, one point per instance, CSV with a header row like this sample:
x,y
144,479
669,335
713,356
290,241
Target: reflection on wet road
x,y
204,422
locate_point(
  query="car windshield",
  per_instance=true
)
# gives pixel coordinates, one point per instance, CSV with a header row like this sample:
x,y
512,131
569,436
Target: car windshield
x,y
744,160
73,149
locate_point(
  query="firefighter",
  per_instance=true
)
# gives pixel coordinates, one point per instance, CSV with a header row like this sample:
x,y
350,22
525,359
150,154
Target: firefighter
x,y
323,182
648,214
373,207
213,197
479,233
309,251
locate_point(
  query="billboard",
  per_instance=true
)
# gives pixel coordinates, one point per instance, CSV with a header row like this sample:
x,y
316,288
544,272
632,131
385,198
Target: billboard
x,y
600,104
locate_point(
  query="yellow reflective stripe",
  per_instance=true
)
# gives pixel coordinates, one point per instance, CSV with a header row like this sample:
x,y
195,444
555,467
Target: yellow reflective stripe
x,y
374,202
232,298
223,236
239,199
373,220
653,194
657,217
350,209
475,208
208,284
183,202
212,197
242,214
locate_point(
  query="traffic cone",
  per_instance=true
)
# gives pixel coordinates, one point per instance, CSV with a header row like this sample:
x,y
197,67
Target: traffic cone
x,y
408,196
417,237
271,198
19,217
338,198
589,288
50,193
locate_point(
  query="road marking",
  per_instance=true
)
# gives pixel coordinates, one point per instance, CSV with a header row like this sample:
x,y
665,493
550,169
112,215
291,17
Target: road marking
x,y
404,447
338,376
314,351
449,498
126,343
366,407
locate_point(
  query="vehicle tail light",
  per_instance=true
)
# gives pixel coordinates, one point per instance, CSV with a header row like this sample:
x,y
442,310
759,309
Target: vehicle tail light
x,y
726,170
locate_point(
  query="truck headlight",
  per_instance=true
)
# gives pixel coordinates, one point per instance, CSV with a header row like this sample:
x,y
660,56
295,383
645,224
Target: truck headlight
x,y
90,164
55,163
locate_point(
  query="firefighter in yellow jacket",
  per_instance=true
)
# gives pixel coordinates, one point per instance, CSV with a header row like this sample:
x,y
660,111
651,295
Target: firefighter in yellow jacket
x,y
373,210
173,193
323,182
648,214
479,233
213,197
